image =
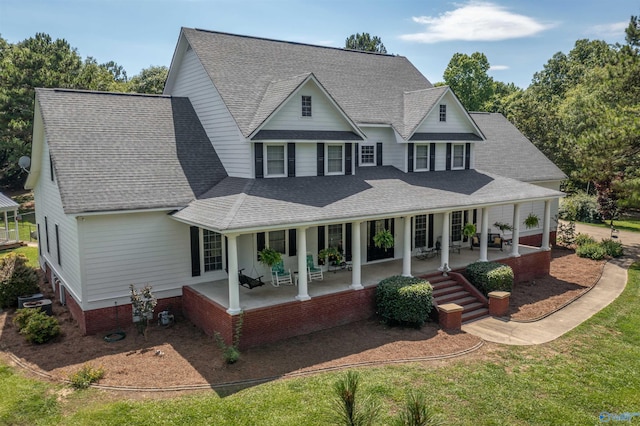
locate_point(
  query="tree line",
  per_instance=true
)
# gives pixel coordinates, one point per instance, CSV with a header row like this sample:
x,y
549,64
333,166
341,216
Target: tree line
x,y
582,110
41,61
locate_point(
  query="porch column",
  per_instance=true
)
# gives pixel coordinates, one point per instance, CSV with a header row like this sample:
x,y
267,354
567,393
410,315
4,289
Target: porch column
x,y
546,225
15,222
516,230
484,235
444,249
234,285
6,225
406,254
356,264
302,264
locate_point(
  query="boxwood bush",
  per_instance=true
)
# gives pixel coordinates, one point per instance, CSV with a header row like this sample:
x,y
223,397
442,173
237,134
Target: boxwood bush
x,y
16,279
404,300
612,247
593,251
490,276
582,239
36,326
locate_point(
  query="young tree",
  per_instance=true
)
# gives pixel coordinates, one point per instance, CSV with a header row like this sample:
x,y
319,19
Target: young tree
x,y
467,76
365,42
150,80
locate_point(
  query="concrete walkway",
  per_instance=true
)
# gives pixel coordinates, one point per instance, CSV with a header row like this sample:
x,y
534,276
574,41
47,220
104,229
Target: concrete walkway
x,y
608,288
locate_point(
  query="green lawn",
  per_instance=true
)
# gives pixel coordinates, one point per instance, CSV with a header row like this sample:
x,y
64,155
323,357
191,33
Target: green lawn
x,y
570,381
31,254
624,224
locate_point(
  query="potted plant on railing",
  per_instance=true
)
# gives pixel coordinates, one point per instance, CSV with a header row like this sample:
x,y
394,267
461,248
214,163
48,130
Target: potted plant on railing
x,y
383,239
503,227
469,231
532,221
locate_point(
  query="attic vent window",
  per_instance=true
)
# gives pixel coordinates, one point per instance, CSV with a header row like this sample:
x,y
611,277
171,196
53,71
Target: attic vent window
x,y
306,106
443,113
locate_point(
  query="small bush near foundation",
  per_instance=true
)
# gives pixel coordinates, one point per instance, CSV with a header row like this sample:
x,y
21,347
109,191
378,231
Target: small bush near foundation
x,y
23,316
582,239
39,327
612,248
490,276
404,300
16,279
593,251
86,375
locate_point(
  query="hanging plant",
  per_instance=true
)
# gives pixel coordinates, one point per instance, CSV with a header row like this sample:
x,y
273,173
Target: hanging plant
x,y
532,221
469,231
383,239
503,226
269,256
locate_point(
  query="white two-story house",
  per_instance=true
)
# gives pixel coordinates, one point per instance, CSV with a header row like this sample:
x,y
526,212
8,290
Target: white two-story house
x,y
262,143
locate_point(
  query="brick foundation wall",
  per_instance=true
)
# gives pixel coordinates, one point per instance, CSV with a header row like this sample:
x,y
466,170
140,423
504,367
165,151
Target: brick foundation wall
x,y
536,240
529,266
279,322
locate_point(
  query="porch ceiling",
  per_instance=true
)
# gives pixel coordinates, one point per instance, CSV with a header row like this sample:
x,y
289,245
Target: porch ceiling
x,y
246,204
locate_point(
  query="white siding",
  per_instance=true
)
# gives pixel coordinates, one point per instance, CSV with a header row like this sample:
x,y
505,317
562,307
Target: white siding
x,y
457,120
393,154
504,214
306,159
324,115
48,203
441,156
136,248
192,81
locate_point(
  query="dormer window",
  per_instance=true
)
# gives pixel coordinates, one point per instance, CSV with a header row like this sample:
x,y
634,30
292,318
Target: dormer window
x,y
335,160
457,159
443,113
422,157
367,155
275,160
306,106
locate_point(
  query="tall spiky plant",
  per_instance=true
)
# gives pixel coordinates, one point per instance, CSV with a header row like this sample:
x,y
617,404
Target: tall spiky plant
x,y
349,410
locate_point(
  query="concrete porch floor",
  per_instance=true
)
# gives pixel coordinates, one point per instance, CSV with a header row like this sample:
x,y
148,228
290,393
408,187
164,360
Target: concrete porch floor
x,y
334,282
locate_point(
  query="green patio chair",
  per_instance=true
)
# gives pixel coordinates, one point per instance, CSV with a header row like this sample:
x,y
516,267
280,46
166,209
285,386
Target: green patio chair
x,y
313,271
279,275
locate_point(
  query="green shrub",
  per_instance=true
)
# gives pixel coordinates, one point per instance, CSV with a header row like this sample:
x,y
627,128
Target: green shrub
x,y
16,279
490,276
612,248
417,412
23,316
40,327
582,239
580,207
404,300
593,251
86,375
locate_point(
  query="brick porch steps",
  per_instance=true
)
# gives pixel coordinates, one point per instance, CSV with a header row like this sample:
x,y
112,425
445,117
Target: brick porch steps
x,y
449,290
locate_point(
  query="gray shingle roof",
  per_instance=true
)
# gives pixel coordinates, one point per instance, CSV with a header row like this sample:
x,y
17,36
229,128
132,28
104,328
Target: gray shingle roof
x,y
237,203
368,87
7,204
114,151
509,153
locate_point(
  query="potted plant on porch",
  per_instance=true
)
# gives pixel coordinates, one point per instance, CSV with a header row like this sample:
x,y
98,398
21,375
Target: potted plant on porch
x,y
532,221
330,256
383,239
469,231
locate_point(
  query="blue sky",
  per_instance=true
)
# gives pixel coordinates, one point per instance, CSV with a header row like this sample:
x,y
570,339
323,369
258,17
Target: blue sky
x,y
518,36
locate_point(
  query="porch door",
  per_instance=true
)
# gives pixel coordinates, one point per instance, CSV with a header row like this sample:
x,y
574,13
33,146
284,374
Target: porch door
x,y
373,252
456,226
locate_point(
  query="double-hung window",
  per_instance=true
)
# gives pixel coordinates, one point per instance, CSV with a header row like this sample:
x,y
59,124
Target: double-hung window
x,y
278,241
367,155
212,250
457,156
275,160
420,230
422,157
335,163
335,236
306,106
443,113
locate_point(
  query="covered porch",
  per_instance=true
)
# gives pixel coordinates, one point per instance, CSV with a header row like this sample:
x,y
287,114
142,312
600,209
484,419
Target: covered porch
x,y
9,229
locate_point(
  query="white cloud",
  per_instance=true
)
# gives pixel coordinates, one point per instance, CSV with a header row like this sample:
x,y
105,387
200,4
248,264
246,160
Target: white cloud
x,y
475,21
499,67
615,29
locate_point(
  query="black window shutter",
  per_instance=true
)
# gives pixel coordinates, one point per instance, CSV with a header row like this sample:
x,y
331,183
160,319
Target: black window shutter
x,y
260,240
291,157
347,242
410,157
51,166
467,156
195,251
357,147
348,155
39,244
226,250
378,153
58,245
430,241
292,242
320,158
320,238
465,220
475,215
258,154
448,156
432,157
46,230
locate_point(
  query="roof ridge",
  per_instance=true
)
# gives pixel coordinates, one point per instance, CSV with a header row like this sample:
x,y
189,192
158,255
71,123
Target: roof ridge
x,y
426,89
102,92
231,213
295,43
